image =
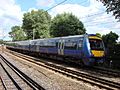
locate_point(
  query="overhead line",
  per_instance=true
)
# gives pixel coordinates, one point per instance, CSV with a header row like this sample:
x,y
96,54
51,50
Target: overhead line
x,y
93,21
92,15
79,3
56,5
100,23
69,7
88,15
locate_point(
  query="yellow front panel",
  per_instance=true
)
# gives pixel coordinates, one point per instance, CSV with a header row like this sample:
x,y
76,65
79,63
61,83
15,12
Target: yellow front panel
x,y
94,37
98,53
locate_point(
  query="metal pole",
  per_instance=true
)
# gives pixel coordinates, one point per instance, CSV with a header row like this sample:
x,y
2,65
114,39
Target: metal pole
x,y
2,48
110,63
3,41
33,34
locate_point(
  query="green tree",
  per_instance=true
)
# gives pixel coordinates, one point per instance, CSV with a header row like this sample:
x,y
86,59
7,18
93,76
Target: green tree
x,y
112,6
1,41
66,24
17,33
36,23
112,49
110,39
98,34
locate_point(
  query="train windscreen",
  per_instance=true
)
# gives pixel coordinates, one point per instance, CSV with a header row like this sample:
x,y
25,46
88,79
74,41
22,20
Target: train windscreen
x,y
96,44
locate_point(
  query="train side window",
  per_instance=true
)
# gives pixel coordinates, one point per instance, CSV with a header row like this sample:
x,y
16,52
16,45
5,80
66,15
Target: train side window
x,y
70,44
41,43
80,44
48,43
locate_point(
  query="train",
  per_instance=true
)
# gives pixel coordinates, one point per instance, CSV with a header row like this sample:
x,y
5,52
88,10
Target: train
x,y
87,49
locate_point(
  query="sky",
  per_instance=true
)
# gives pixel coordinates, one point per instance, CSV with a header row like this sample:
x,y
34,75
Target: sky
x,y
91,12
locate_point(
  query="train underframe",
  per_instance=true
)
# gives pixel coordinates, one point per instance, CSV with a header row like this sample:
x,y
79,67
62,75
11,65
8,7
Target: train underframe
x,y
93,61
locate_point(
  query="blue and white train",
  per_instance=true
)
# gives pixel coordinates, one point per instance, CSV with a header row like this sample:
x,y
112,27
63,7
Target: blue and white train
x,y
87,49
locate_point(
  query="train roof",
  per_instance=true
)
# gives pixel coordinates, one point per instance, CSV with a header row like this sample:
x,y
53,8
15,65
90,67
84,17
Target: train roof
x,y
65,37
58,38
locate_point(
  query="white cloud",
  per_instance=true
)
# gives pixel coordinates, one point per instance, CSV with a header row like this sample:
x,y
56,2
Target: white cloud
x,y
1,32
101,30
76,9
44,3
117,25
94,17
10,15
30,9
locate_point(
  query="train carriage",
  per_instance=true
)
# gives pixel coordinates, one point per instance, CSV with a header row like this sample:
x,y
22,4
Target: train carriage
x,y
88,49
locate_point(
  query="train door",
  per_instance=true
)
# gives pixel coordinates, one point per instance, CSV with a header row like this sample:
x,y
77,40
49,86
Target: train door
x,y
37,46
61,47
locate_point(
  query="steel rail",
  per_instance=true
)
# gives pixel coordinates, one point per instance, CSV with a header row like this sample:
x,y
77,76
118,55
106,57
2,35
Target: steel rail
x,y
114,73
94,80
100,70
12,79
34,85
4,86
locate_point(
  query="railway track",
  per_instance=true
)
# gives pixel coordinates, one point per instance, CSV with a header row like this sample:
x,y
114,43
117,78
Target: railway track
x,y
107,71
93,80
2,85
101,71
13,78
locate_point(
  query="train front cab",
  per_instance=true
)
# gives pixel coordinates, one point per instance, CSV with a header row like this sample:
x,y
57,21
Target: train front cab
x,y
94,51
97,49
